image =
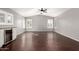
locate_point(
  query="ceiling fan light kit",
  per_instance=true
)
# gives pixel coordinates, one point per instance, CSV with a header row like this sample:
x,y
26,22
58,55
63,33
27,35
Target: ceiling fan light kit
x,y
43,10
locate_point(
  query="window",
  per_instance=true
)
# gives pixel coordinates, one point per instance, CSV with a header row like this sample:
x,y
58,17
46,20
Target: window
x,y
2,18
9,19
28,23
50,23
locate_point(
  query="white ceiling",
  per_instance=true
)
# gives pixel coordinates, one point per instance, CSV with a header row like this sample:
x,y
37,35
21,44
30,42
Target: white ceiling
x,y
35,11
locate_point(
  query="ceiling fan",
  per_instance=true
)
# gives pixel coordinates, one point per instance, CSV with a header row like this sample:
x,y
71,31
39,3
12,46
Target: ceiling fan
x,y
43,10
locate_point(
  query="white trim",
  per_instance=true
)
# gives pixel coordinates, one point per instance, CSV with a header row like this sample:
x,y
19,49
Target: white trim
x,y
68,36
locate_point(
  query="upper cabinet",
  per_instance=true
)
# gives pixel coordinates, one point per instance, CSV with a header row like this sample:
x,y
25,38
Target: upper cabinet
x,y
6,18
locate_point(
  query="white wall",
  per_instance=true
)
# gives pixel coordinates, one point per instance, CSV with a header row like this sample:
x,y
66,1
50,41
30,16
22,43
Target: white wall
x,y
67,23
39,23
18,25
18,20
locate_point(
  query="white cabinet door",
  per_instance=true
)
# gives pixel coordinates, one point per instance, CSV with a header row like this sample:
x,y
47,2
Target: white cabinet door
x,y
1,37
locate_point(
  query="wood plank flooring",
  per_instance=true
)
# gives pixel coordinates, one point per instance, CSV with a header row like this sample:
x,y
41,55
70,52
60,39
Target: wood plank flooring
x,y
43,41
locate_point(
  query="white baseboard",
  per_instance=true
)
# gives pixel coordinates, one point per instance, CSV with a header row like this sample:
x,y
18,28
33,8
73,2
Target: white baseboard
x,y
68,36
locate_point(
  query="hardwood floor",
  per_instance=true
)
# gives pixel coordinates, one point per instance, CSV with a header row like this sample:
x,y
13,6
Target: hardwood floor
x,y
43,41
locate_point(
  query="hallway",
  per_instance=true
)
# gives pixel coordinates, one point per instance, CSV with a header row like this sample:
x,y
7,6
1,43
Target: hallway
x,y
42,41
